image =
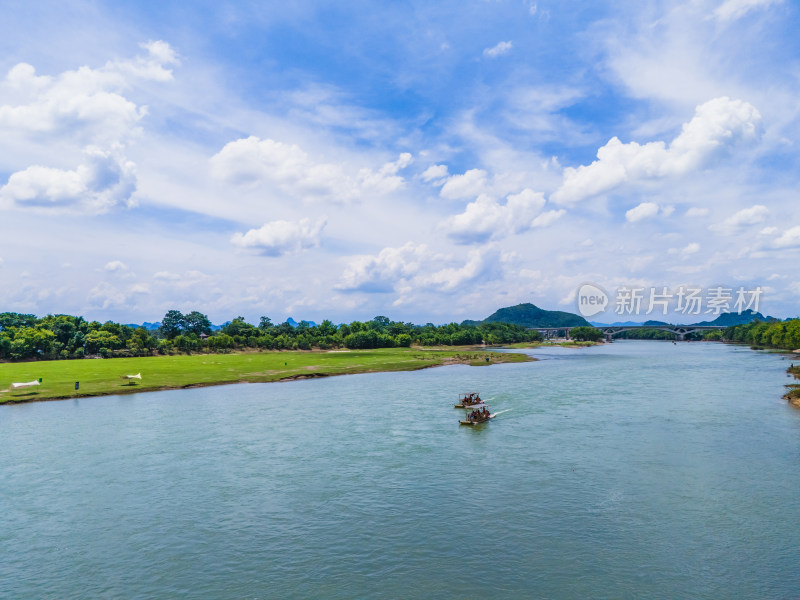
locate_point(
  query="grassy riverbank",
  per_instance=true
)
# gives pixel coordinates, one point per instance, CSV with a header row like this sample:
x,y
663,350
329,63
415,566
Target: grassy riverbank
x,y
103,377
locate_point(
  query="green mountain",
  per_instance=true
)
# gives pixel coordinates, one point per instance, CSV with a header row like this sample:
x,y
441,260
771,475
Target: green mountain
x,y
530,315
728,319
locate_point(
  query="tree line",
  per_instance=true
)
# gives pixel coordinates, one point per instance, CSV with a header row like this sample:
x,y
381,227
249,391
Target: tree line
x,y
776,334
26,337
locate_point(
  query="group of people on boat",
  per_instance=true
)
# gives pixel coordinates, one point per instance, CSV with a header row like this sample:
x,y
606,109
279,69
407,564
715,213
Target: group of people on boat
x,y
471,399
478,415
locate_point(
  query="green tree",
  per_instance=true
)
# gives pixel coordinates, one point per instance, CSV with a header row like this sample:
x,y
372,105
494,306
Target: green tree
x,y
95,340
141,342
326,328
586,334
12,319
196,322
5,346
239,328
172,324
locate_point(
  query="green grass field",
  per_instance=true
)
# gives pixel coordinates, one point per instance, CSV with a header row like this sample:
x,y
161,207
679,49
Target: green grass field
x,y
98,377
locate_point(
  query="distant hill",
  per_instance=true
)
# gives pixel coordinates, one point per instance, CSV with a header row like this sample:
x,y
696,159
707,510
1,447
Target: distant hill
x,y
530,315
146,325
294,323
729,319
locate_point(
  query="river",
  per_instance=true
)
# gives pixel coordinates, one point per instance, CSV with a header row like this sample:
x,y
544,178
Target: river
x,y
634,469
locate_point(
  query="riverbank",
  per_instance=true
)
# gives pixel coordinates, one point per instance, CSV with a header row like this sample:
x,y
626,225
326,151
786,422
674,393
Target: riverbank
x,y
103,377
793,395
547,344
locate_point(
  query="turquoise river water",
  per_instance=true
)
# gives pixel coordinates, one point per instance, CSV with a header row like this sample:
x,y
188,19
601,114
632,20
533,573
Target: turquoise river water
x,y
629,470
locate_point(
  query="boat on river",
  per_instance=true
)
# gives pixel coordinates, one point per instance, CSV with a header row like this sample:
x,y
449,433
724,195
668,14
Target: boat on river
x,y
476,417
471,400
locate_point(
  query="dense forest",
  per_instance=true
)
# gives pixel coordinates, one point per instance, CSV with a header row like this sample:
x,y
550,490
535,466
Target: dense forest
x,y
776,334
26,337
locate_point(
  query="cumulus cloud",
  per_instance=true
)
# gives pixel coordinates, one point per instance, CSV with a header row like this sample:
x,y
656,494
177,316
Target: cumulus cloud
x,y
486,218
548,217
482,264
381,273
730,10
645,210
86,107
103,182
85,104
413,267
498,50
468,185
269,162
277,238
435,173
717,124
385,180
748,216
789,239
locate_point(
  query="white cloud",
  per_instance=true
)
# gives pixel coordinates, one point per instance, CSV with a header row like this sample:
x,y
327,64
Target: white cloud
x,y
383,272
186,280
548,217
85,104
483,264
385,180
269,162
435,173
166,276
115,266
697,212
469,185
688,250
152,66
498,50
789,239
717,124
97,186
105,295
83,108
485,218
730,10
281,237
691,248
412,267
645,210
747,216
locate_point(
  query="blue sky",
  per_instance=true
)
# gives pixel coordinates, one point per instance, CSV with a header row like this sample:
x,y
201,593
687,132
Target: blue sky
x,y
423,161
